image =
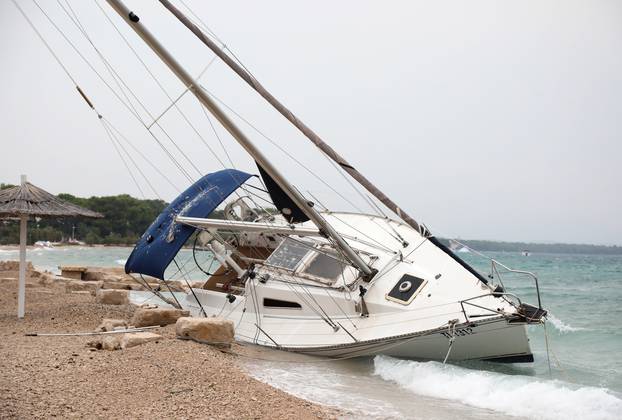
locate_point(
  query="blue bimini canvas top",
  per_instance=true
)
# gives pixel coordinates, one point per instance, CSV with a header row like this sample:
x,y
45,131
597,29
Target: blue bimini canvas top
x,y
155,250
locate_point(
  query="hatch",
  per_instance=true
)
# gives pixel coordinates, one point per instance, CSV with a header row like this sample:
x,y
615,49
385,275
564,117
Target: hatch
x,y
406,289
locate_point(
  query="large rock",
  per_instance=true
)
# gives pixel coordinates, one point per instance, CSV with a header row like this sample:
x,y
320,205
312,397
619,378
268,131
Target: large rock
x,y
116,285
123,341
109,342
111,324
81,286
105,273
136,339
146,317
216,331
112,297
14,266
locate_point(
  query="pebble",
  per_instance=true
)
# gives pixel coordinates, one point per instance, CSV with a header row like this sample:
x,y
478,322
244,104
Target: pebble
x,y
130,382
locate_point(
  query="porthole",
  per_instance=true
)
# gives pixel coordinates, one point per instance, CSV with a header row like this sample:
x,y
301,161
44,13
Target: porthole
x,y
405,286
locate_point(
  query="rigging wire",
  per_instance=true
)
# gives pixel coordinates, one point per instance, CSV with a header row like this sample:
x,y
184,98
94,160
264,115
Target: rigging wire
x,y
174,103
122,158
47,45
118,80
196,20
129,107
207,29
169,97
86,61
138,152
209,120
134,163
115,75
74,81
275,144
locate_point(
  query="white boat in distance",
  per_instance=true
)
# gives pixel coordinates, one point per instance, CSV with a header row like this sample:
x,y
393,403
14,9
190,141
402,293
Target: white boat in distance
x,y
322,282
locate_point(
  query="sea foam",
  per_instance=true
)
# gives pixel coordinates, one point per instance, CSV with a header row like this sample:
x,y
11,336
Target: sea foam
x,y
560,325
511,394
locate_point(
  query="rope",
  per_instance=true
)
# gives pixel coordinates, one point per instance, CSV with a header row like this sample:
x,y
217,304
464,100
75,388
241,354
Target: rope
x,y
80,334
452,333
548,358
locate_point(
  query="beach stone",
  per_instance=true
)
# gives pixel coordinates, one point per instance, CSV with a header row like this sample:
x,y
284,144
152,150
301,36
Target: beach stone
x,y
12,265
72,271
136,339
109,324
105,273
46,278
112,297
216,331
81,286
107,284
146,317
111,342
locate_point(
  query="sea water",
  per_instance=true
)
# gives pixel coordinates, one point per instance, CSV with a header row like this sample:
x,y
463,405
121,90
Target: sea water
x,y
582,292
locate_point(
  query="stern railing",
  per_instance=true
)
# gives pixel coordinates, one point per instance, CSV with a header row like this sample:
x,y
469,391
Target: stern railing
x,y
494,269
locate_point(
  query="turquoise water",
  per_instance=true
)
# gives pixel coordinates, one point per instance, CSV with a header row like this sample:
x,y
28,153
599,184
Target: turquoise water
x,y
51,258
582,293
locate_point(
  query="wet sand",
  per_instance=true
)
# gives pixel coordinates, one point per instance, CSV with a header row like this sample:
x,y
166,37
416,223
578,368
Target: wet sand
x,y
63,377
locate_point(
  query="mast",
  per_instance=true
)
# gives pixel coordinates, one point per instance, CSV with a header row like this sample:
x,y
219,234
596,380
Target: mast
x,y
308,132
134,22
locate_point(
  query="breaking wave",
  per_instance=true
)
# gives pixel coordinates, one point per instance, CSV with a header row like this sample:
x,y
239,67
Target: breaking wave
x,y
120,261
511,394
561,326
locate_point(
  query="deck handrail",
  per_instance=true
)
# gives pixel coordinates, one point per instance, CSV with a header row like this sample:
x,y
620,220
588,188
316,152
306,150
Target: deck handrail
x,y
505,267
497,294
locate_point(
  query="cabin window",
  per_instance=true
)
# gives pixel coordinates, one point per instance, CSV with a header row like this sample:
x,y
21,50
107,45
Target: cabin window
x,y
289,254
325,265
277,303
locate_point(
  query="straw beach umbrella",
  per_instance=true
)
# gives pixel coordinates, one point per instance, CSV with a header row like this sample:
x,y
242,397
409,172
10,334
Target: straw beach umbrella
x,y
27,200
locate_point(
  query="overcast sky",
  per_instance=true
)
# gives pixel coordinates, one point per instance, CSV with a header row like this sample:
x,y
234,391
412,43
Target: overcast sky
x,y
487,120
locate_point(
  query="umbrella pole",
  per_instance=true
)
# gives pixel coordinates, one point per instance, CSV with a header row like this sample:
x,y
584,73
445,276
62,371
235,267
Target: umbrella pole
x,y
21,298
21,293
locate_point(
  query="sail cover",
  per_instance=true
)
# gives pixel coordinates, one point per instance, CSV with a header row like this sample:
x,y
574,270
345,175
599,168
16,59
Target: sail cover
x,y
286,206
155,250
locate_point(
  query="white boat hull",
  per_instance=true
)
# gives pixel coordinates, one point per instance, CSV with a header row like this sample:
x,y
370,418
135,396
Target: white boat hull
x,y
495,341
495,338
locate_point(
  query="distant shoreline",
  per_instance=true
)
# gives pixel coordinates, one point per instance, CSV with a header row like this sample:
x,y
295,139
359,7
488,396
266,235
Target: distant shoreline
x,y
539,248
479,245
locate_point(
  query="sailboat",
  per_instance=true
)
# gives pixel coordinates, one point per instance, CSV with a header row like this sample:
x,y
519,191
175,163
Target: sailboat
x,y
321,282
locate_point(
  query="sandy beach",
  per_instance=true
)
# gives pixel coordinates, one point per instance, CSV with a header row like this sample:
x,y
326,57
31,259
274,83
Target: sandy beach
x,y
63,377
